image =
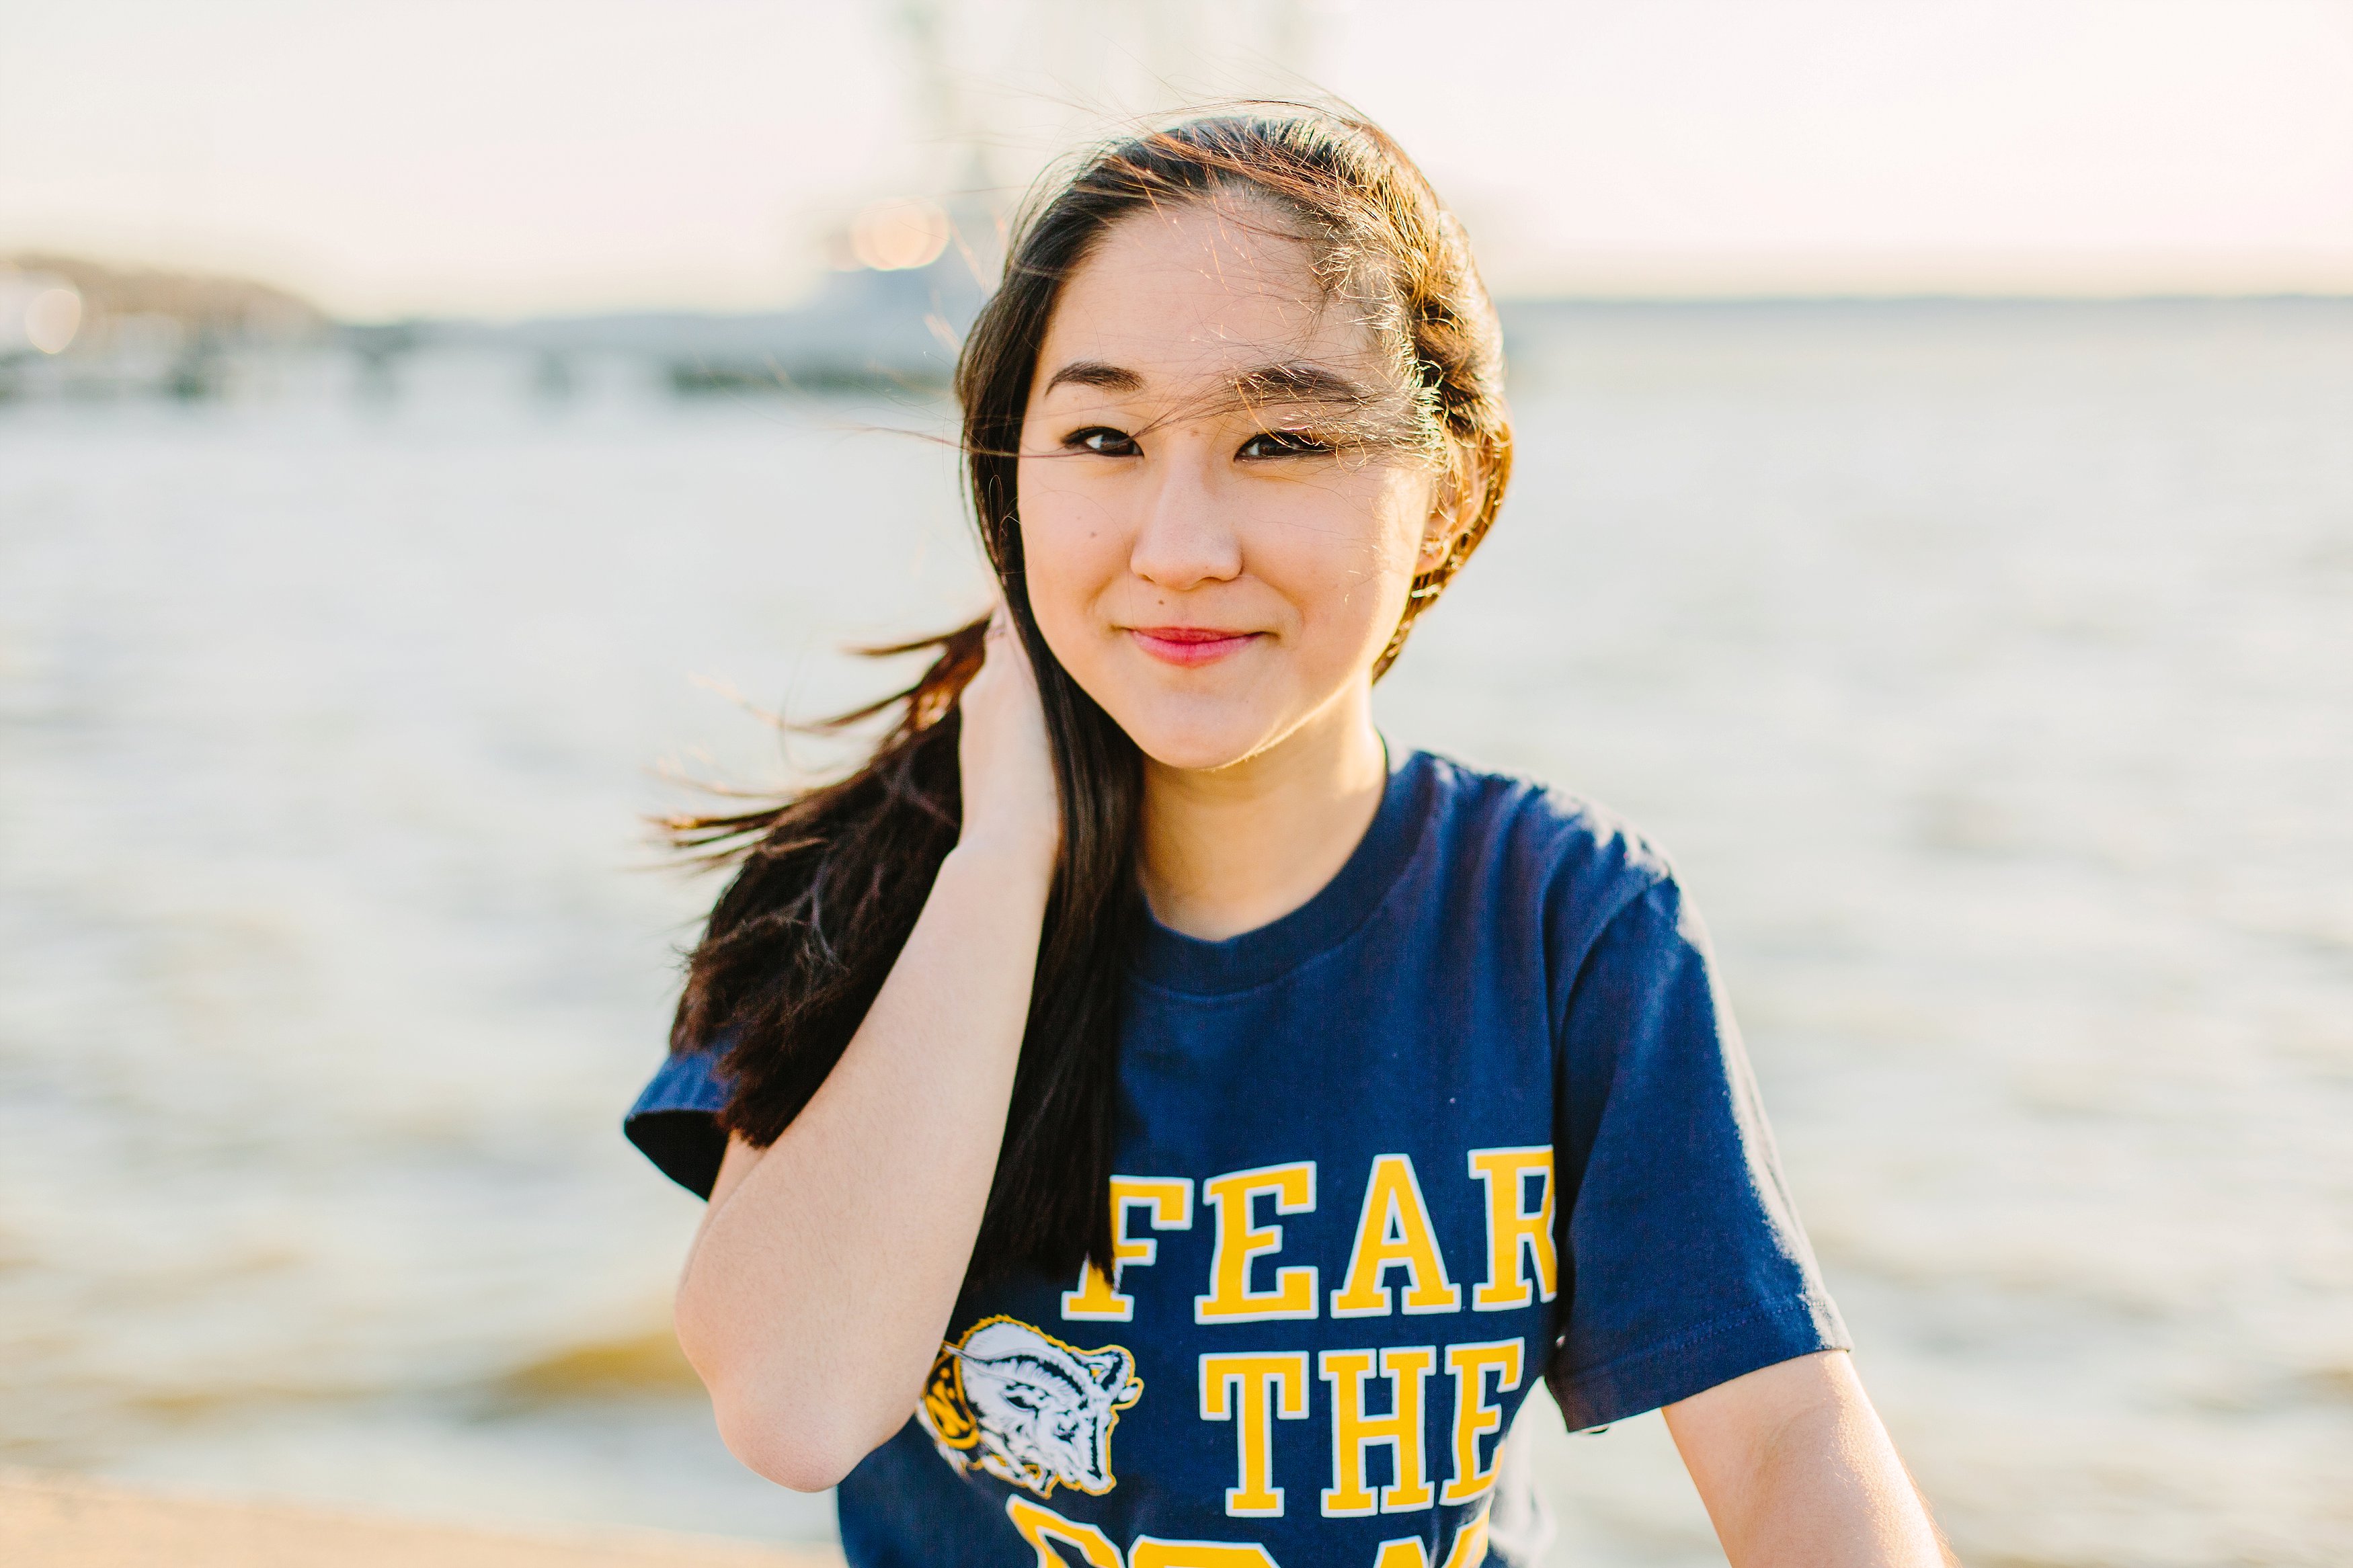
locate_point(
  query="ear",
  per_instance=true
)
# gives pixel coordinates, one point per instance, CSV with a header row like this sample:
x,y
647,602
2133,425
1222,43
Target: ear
x,y
1108,1368
1453,508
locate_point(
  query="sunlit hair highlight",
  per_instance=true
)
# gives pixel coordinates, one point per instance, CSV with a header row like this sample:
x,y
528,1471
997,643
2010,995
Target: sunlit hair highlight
x,y
831,882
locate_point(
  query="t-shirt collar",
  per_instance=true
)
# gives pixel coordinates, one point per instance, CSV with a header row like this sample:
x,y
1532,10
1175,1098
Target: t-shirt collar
x,y
1176,961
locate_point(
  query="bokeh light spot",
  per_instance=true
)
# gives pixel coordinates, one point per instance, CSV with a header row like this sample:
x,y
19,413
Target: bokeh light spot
x,y
52,317
893,236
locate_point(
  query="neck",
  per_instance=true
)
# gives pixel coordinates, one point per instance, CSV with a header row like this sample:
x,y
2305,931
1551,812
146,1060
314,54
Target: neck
x,y
1229,850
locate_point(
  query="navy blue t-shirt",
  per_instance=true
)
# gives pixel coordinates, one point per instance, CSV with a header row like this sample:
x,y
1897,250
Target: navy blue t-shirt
x,y
1473,1115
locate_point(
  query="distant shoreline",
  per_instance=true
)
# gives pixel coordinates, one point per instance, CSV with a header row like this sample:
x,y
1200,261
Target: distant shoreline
x,y
55,1520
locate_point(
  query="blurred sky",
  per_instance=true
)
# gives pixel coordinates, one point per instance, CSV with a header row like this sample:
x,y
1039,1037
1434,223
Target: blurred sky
x,y
507,157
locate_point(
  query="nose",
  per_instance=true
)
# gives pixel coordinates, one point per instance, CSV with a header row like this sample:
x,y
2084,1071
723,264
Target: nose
x,y
1186,537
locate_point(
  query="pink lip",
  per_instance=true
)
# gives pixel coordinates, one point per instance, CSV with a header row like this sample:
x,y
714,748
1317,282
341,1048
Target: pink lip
x,y
1190,646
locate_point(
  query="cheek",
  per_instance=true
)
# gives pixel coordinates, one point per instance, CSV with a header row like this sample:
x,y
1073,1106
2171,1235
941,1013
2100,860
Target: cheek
x,y
1069,551
1347,561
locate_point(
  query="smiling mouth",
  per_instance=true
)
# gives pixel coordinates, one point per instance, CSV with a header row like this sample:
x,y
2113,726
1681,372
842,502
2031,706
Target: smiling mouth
x,y
1190,645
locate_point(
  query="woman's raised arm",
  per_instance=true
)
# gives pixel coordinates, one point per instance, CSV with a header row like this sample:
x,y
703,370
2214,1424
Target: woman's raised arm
x,y
817,1290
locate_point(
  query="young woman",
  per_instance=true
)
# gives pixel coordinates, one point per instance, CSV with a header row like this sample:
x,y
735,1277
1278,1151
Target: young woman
x,y
1149,1123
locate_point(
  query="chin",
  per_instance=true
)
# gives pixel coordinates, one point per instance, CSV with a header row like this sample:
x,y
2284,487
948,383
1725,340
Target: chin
x,y
1195,742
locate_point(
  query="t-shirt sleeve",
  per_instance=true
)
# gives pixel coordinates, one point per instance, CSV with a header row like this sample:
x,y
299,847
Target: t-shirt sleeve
x,y
675,1123
1684,1263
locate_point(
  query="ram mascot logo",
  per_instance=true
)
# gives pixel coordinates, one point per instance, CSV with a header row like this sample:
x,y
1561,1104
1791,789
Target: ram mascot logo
x,y
1028,1408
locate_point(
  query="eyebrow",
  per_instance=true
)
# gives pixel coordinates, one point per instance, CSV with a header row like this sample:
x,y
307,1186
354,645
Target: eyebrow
x,y
1094,372
1296,381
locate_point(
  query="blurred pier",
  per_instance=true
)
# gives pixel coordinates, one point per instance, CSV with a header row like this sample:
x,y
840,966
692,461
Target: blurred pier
x,y
888,320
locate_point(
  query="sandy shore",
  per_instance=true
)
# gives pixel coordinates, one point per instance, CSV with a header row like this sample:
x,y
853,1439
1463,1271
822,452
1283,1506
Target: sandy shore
x,y
67,1521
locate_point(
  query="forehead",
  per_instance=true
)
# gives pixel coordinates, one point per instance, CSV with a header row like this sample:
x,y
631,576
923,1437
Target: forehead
x,y
1201,290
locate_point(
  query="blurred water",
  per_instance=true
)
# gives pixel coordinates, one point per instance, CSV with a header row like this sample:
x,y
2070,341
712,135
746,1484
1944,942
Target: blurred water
x,y
1990,671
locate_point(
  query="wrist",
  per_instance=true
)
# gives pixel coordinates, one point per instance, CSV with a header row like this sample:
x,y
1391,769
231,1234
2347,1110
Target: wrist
x,y
1021,854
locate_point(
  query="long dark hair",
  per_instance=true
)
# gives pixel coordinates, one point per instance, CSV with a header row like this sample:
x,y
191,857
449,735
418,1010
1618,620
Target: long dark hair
x,y
832,880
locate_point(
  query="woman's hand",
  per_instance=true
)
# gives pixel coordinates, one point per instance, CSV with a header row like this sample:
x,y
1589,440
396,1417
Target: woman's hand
x,y
1010,801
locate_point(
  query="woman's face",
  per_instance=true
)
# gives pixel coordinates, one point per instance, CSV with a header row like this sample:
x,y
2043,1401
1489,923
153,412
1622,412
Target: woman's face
x,y
1206,555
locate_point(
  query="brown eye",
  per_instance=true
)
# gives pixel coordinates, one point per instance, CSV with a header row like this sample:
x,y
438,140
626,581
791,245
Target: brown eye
x,y
1280,444
1101,440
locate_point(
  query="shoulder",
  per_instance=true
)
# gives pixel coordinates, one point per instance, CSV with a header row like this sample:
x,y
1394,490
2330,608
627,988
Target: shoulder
x,y
1541,872
1548,841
